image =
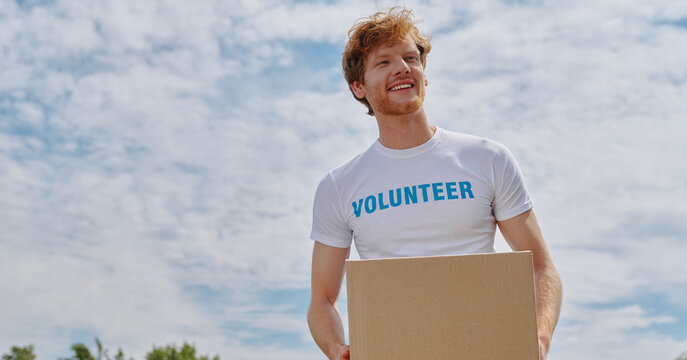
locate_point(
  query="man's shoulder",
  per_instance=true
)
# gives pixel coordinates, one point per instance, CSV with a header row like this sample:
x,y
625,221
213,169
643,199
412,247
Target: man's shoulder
x,y
472,144
354,164
351,167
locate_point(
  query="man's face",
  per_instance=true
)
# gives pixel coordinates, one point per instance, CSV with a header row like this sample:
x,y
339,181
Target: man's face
x,y
394,79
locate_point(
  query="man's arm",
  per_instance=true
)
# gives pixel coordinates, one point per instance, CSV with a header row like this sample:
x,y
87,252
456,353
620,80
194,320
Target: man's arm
x,y
523,233
323,316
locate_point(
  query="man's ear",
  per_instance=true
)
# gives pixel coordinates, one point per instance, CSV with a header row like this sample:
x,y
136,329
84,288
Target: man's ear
x,y
357,89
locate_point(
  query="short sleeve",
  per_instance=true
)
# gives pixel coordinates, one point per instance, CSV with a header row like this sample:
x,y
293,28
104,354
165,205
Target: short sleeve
x,y
510,194
328,224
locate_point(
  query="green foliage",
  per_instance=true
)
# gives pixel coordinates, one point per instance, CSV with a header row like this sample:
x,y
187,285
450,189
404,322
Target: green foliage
x,y
81,352
101,350
120,355
682,356
20,353
170,352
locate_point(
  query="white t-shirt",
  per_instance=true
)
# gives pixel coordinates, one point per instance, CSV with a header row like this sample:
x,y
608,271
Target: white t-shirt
x,y
440,198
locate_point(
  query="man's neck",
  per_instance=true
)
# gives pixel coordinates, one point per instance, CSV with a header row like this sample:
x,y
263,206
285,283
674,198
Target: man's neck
x,y
404,131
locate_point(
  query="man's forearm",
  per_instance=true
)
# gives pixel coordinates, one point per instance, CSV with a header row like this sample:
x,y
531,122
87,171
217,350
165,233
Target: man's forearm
x,y
326,328
549,290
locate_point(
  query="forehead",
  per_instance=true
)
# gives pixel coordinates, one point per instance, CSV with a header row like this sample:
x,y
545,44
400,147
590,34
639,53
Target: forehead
x,y
391,47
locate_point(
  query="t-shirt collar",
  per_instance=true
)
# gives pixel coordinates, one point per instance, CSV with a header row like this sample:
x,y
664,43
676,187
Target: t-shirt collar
x,y
414,151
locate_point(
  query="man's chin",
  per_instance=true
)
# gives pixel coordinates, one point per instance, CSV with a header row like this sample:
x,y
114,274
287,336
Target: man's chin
x,y
400,109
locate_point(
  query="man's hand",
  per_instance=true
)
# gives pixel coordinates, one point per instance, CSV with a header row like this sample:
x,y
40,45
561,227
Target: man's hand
x,y
344,353
543,350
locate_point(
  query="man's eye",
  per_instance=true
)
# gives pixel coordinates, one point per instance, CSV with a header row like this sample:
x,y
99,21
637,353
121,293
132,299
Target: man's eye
x,y
384,62
411,58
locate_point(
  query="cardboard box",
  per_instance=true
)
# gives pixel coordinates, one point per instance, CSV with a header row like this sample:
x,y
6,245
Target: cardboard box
x,y
443,307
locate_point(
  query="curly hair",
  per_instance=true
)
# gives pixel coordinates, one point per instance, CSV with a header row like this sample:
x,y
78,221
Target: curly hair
x,y
369,33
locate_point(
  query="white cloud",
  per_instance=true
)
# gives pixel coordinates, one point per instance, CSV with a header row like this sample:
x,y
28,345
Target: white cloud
x,y
614,333
150,148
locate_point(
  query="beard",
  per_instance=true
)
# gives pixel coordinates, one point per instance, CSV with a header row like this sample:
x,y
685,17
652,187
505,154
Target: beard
x,y
382,104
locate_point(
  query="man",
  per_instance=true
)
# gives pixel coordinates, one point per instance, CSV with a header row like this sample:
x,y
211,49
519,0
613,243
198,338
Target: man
x,y
419,190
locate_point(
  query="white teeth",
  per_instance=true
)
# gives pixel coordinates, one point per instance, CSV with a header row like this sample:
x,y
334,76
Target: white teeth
x,y
399,87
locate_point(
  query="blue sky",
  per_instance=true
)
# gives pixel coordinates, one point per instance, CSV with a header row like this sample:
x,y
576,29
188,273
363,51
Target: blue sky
x,y
160,158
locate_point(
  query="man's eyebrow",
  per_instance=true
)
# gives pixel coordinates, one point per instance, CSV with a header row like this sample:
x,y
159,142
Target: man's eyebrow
x,y
375,58
385,53
382,54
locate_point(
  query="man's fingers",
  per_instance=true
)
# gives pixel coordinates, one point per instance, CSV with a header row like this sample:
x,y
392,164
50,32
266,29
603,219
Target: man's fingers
x,y
345,353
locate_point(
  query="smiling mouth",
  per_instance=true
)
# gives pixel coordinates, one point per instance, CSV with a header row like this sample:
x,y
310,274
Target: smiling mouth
x,y
400,87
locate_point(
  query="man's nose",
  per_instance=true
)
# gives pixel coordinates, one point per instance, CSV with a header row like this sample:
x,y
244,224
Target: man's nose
x,y
400,66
